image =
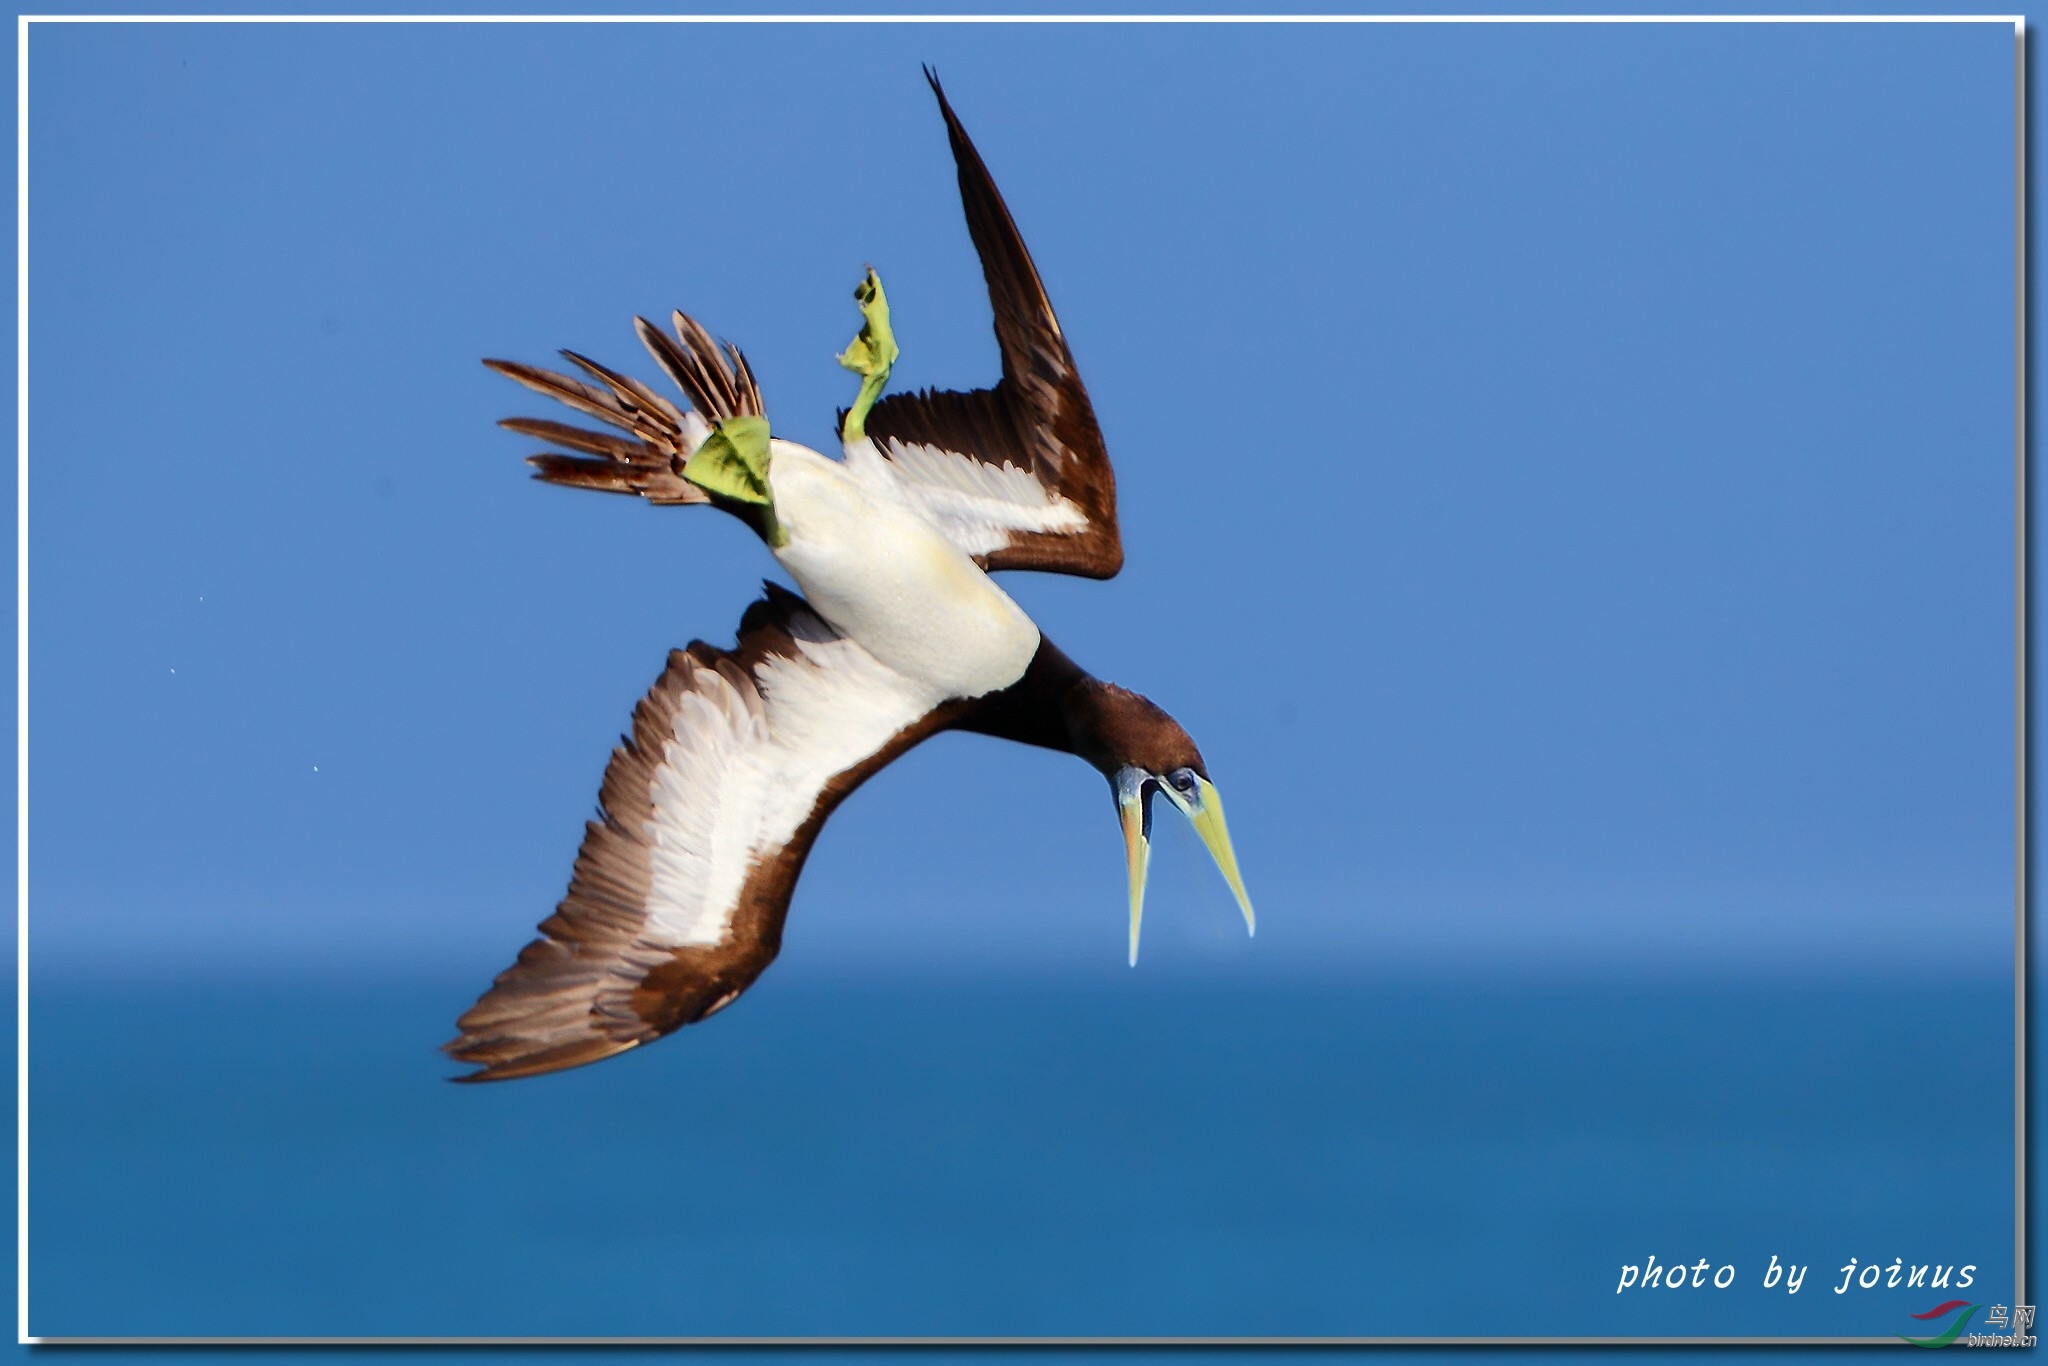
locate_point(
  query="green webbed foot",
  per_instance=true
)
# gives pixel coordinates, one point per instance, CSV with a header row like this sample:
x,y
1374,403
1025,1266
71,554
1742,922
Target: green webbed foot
x,y
869,355
733,464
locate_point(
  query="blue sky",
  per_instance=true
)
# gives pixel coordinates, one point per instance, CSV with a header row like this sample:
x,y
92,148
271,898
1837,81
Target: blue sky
x,y
1567,479
1566,474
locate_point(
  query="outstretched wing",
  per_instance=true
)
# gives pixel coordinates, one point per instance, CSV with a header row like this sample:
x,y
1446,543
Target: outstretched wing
x,y
658,436
1016,475
708,810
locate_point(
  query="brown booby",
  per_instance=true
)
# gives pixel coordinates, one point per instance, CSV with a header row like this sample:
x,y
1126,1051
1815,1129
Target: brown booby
x,y
737,756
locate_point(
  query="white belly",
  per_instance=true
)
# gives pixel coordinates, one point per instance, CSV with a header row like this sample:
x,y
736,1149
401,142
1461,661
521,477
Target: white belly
x,y
887,578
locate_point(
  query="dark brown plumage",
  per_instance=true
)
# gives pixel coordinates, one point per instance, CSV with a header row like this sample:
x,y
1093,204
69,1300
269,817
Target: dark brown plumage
x,y
592,985
1059,705
719,385
1037,418
649,461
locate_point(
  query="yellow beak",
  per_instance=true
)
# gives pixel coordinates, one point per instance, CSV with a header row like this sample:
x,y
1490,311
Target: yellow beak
x,y
1205,813
1137,852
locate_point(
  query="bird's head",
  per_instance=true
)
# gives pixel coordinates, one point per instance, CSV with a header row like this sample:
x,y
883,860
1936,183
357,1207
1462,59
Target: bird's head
x,y
1142,750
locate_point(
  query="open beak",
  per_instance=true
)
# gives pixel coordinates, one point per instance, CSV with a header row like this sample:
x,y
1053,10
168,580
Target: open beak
x,y
1204,812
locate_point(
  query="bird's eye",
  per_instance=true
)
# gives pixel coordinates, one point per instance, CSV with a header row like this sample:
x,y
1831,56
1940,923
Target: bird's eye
x,y
1184,781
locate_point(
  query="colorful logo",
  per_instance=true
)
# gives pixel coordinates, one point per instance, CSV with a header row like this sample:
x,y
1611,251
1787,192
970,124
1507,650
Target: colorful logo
x,y
1947,1335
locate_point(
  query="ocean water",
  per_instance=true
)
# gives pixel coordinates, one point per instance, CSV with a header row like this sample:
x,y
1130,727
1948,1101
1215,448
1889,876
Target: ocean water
x,y
1127,1155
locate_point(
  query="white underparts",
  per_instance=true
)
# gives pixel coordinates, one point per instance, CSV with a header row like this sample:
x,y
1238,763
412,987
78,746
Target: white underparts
x,y
881,572
905,621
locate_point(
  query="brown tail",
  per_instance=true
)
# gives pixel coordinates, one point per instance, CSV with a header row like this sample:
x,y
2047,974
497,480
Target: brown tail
x,y
648,460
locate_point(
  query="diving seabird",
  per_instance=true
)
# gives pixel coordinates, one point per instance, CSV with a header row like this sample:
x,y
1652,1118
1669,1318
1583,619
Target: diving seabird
x,y
737,756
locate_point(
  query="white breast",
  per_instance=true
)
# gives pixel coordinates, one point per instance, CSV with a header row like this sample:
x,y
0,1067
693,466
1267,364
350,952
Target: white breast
x,y
884,576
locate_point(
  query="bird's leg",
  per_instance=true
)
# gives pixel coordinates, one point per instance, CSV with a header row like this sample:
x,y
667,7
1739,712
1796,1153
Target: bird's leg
x,y
869,355
733,464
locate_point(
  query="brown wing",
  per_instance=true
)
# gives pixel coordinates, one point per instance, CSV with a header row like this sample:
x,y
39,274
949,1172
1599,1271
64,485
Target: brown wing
x,y
659,437
708,810
1037,421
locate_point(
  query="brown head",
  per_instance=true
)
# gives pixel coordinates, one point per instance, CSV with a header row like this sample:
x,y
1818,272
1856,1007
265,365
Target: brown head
x,y
1142,750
